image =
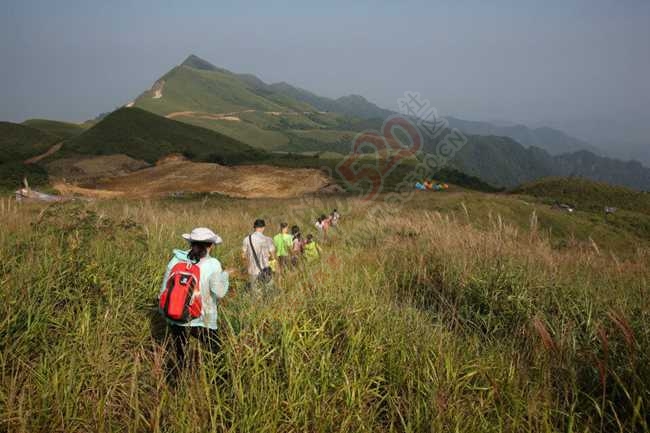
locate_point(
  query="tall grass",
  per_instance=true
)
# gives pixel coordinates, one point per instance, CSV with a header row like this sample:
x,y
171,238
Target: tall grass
x,y
420,321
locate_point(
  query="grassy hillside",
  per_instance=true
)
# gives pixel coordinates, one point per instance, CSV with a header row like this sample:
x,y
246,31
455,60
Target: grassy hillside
x,y
64,130
267,114
189,89
13,173
18,143
146,136
586,194
263,116
352,105
461,312
591,198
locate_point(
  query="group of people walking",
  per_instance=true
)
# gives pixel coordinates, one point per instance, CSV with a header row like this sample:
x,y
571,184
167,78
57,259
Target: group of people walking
x,y
266,256
194,281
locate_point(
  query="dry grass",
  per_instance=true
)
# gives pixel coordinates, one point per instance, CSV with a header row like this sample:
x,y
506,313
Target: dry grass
x,y
426,320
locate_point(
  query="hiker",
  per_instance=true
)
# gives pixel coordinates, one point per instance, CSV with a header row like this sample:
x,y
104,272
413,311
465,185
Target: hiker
x,y
283,243
258,250
312,250
193,284
298,245
325,225
335,216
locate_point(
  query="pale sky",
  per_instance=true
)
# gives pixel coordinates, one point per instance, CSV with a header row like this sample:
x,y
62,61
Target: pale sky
x,y
562,63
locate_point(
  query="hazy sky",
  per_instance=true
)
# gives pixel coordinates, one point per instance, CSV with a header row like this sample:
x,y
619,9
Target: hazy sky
x,y
544,62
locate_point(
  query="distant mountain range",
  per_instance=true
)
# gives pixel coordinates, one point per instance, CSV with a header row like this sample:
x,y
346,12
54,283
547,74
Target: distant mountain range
x,y
283,117
209,113
552,140
504,162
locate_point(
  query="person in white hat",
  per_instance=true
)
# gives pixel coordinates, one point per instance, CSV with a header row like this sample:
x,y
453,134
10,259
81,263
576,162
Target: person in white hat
x,y
213,285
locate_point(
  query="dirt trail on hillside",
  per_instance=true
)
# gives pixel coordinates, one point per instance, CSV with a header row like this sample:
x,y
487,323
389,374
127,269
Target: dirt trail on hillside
x,y
200,115
234,115
180,176
50,151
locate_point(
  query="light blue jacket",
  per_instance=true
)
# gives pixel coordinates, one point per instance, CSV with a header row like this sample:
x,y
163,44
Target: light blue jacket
x,y
213,285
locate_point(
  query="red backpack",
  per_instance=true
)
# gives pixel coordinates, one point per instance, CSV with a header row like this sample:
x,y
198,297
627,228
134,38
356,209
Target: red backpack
x,y
181,299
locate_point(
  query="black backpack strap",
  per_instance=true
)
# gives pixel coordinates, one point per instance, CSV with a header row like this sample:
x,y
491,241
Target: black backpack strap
x,y
257,260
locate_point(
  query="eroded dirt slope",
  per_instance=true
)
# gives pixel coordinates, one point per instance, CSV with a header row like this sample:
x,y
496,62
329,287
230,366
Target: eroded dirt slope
x,y
181,176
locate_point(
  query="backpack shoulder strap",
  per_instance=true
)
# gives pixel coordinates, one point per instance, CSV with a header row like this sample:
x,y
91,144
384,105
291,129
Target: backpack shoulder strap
x,y
257,260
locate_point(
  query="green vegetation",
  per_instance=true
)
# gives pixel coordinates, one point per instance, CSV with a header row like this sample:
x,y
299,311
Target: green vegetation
x,y
502,161
19,142
13,173
586,194
352,105
459,312
591,198
272,116
189,89
246,132
319,139
64,130
146,136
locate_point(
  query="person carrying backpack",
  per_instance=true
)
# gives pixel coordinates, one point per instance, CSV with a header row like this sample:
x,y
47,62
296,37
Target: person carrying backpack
x,y
257,251
192,286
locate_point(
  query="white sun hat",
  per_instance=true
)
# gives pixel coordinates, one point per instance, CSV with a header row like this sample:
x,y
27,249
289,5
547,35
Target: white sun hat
x,y
202,234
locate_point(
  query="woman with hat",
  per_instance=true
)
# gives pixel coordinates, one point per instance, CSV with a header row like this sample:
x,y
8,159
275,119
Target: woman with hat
x,y
213,285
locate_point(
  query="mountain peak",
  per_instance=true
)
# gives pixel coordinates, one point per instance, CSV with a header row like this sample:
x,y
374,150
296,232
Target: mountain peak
x,y
194,61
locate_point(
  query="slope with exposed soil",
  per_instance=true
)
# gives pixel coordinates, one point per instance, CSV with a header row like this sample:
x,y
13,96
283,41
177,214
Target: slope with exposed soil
x,y
182,176
91,169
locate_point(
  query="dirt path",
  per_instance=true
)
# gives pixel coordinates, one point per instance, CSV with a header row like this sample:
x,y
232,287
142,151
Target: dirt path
x,y
50,151
234,115
200,115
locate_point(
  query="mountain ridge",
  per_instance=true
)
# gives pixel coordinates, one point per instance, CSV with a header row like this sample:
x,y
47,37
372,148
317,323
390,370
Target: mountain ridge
x,y
553,140
283,117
